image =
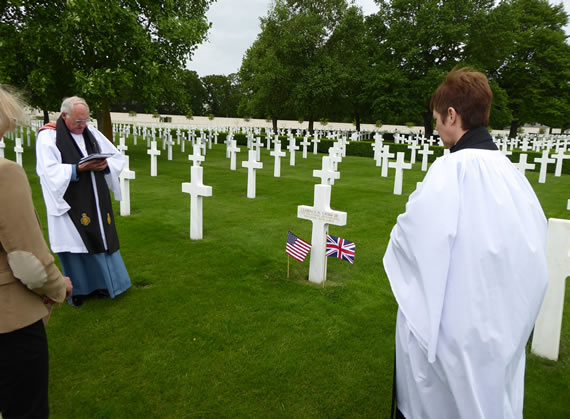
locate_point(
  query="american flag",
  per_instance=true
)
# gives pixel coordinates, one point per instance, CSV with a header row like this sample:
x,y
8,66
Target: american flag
x,y
340,248
297,248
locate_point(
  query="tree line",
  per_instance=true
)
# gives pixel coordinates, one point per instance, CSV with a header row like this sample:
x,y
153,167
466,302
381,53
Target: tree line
x,y
313,59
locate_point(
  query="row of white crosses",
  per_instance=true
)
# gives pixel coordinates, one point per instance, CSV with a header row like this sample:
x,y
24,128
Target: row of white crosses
x,y
18,149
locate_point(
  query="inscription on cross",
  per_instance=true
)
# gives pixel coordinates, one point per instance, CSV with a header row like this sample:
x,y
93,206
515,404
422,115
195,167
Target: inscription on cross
x,y
321,215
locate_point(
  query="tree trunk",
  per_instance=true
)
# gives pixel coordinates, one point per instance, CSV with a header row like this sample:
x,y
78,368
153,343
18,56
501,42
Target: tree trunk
x,y
357,120
428,121
274,121
311,125
514,128
104,123
46,117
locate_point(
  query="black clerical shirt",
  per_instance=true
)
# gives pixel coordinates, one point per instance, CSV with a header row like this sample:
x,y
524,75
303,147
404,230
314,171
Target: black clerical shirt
x,y
477,137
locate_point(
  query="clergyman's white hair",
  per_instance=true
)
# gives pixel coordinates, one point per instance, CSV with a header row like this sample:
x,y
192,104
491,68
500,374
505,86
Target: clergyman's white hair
x,y
69,102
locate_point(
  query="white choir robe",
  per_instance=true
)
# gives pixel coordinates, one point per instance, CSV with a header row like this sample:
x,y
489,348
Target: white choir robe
x,y
467,267
55,178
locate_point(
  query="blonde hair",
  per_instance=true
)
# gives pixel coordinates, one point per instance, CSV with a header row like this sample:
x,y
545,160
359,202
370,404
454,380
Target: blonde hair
x,y
11,109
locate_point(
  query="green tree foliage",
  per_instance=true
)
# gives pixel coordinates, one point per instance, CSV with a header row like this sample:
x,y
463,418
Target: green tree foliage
x,y
289,70
424,40
104,48
536,72
222,94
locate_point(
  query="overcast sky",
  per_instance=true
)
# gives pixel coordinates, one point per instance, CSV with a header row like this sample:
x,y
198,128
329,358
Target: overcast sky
x,y
235,25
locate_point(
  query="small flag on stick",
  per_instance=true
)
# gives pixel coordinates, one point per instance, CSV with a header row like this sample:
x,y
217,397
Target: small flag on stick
x,y
297,248
340,248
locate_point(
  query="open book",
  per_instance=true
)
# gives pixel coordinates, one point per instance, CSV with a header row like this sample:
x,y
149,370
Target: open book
x,y
95,156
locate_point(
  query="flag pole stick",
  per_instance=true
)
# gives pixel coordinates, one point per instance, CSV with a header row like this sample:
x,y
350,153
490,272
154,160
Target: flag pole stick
x,y
288,259
325,269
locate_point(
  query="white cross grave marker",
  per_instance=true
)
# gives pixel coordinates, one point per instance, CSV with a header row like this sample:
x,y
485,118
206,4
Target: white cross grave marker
x,y
305,143
543,160
522,165
233,149
2,147
292,147
196,157
257,144
546,336
126,175
559,157
19,150
327,173
413,146
197,190
153,153
399,165
252,164
425,152
321,215
277,153
122,147
315,141
386,156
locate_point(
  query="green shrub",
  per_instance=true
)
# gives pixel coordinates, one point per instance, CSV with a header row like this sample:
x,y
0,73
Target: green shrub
x,y
155,114
211,116
324,121
132,113
189,115
379,124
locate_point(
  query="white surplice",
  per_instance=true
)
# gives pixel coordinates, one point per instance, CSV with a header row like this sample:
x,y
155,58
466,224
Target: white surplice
x,y
55,178
467,267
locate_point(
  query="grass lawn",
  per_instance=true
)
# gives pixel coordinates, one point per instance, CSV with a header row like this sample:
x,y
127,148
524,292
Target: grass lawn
x,y
214,328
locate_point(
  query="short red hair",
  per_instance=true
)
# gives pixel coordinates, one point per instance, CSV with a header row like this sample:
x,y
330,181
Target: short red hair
x,y
468,92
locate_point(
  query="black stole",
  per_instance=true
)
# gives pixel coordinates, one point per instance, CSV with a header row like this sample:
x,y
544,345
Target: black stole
x,y
80,196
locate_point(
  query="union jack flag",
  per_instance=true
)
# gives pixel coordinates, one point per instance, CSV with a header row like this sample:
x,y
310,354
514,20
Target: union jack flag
x,y
297,248
340,248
